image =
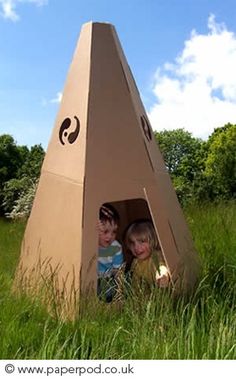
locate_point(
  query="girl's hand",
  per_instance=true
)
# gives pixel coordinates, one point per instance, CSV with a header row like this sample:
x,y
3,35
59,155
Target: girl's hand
x,y
162,277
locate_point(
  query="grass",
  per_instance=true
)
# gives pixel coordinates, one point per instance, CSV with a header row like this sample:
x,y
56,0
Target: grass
x,y
158,327
10,241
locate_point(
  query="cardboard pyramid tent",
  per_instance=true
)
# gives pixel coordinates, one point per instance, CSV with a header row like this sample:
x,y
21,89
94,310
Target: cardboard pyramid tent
x,y
102,149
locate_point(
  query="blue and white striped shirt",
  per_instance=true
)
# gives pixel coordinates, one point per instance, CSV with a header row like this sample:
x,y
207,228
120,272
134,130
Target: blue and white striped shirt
x,y
109,258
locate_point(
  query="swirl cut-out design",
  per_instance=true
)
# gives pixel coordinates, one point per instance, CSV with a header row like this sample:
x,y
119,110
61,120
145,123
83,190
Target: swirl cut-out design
x,y
64,137
146,128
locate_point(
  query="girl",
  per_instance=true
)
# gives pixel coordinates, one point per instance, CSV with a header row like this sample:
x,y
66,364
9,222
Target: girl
x,y
148,266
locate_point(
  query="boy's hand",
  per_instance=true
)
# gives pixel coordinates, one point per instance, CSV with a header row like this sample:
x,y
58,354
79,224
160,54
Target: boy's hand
x,y
162,277
109,215
106,211
100,226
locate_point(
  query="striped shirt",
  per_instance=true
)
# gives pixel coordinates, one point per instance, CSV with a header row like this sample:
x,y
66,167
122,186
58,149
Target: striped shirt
x,y
109,258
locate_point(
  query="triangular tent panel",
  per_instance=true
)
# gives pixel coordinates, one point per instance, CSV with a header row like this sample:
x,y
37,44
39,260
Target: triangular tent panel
x,y
102,149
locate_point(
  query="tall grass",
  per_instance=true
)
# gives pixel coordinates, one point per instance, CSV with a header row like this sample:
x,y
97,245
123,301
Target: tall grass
x,y
213,229
10,239
156,327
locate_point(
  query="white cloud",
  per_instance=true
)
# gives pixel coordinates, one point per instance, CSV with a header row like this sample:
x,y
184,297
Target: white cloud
x,y
8,10
9,7
57,99
198,91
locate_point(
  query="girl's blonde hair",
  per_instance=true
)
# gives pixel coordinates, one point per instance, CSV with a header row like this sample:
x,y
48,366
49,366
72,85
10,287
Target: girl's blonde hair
x,y
144,230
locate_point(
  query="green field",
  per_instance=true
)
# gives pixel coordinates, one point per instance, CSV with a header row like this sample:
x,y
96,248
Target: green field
x,y
160,327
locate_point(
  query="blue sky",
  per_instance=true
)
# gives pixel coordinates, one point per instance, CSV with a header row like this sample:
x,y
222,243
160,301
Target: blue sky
x,y
182,54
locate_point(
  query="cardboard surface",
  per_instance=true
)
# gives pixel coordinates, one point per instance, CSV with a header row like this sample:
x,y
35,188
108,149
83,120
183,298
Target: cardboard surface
x,y
102,149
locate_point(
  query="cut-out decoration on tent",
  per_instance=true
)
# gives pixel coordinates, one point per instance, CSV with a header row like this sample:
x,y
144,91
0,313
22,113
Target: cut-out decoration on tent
x,y
102,149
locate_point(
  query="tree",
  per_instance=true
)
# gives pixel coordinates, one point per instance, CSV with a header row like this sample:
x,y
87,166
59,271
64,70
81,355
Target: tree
x,y
10,159
32,162
220,164
10,162
19,171
182,154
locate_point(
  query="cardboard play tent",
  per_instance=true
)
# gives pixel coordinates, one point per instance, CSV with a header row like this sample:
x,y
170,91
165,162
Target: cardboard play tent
x,y
102,149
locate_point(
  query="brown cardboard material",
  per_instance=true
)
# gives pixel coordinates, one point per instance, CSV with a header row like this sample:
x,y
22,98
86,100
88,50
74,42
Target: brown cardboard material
x,y
102,149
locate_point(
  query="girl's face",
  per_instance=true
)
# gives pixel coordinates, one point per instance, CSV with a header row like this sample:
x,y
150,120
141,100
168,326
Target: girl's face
x,y
139,247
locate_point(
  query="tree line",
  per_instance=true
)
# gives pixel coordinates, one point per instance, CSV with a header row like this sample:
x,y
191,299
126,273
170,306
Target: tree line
x,y
19,173
201,171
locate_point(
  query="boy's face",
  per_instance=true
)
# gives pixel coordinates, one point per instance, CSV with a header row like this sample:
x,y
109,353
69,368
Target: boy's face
x,y
106,233
139,247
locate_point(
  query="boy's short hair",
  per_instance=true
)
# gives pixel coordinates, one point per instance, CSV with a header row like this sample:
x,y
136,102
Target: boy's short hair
x,y
145,230
108,213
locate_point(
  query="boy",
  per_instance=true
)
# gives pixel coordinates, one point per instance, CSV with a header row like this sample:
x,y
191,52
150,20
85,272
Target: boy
x,y
110,256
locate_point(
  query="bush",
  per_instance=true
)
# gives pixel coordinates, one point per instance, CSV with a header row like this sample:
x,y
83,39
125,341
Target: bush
x,y
23,204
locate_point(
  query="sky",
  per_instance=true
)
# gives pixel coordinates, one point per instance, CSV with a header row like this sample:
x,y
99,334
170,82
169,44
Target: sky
x,y
182,54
